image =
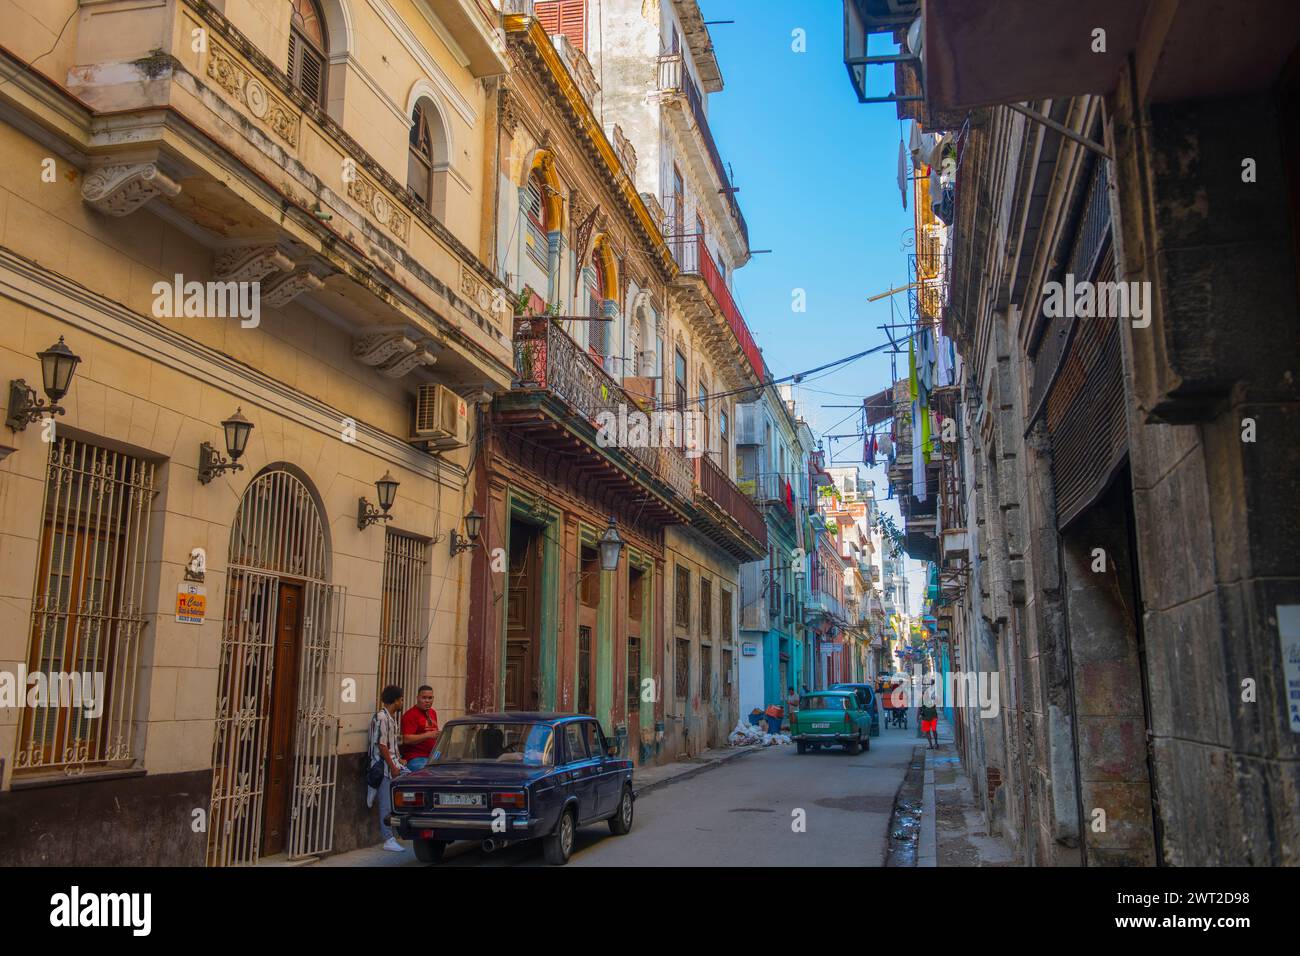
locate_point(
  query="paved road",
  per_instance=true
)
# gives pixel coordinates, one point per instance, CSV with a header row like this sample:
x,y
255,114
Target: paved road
x,y
742,814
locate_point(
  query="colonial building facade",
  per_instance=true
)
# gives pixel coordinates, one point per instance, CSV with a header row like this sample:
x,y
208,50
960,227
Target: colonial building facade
x,y
265,214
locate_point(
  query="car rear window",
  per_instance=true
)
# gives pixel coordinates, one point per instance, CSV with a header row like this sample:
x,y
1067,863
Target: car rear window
x,y
819,702
486,742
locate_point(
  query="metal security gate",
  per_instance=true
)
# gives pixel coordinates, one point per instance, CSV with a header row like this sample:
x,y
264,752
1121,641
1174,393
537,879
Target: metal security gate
x,y
402,634
278,536
87,608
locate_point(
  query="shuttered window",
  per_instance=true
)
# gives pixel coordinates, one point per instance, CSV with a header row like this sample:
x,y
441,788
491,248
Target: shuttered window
x,y
565,17
1085,413
307,63
682,599
419,165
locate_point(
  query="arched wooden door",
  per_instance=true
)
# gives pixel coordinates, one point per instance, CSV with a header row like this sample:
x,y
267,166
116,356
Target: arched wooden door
x,y
275,752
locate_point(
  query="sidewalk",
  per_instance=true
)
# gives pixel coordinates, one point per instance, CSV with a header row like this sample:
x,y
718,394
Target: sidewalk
x,y
953,831
644,780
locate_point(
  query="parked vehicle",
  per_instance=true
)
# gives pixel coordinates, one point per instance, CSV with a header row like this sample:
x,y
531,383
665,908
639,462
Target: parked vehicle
x,y
504,778
868,699
827,717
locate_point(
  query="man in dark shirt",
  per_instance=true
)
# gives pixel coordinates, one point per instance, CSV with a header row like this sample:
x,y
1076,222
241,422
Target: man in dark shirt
x,y
419,729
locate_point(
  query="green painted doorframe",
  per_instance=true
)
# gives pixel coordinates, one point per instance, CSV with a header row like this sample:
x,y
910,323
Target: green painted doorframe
x,y
537,512
604,700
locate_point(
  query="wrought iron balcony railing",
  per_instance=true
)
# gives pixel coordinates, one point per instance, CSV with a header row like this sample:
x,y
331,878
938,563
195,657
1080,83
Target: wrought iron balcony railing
x,y
713,484
693,258
547,358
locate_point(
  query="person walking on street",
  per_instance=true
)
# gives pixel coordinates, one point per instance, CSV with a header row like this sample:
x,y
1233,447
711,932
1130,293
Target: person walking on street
x,y
419,730
385,745
929,717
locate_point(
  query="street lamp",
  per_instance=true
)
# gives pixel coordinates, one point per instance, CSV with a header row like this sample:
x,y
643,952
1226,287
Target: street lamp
x,y
473,526
211,464
58,363
611,545
368,514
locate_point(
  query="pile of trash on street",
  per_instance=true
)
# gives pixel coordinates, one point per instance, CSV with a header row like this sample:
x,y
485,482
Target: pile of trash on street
x,y
759,728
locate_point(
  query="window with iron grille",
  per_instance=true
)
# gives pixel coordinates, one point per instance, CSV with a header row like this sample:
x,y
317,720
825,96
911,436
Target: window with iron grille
x,y
706,607
87,607
706,672
402,632
726,674
307,44
682,670
682,602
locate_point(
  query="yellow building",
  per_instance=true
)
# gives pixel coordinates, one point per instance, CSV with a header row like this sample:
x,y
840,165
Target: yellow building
x,y
276,208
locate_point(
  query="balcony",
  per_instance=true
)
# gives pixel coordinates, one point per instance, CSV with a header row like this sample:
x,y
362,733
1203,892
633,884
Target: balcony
x,y
558,395
772,491
222,144
725,514
708,300
678,89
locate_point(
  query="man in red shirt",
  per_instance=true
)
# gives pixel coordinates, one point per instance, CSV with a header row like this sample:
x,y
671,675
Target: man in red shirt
x,y
419,729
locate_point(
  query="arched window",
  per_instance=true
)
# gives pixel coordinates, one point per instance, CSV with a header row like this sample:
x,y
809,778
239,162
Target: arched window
x,y
307,45
599,337
426,169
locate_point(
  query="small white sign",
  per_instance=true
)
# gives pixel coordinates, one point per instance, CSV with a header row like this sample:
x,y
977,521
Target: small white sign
x,y
1288,629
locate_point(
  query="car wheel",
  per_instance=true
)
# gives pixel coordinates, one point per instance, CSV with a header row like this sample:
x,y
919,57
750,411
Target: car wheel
x,y
557,846
800,747
854,747
866,744
429,851
621,822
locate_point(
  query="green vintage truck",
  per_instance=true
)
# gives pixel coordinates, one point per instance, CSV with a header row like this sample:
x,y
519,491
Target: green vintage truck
x,y
828,717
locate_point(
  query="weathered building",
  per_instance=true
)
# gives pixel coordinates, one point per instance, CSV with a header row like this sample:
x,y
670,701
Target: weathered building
x,y
1123,286
265,213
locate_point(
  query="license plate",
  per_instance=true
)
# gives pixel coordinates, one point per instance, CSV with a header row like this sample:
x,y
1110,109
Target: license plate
x,y
460,799
820,726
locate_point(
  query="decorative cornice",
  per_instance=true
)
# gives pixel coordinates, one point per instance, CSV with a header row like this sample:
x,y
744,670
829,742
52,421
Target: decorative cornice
x,y
531,38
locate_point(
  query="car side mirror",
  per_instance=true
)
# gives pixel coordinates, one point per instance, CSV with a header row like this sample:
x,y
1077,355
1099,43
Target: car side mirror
x,y
611,750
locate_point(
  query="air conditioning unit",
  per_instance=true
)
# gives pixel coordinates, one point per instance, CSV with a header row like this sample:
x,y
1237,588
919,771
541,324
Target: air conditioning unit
x,y
441,418
645,363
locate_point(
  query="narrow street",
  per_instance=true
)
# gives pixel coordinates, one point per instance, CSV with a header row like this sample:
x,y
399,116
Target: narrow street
x,y
740,814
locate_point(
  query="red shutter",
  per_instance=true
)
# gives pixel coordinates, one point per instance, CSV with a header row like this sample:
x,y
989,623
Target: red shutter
x,y
568,17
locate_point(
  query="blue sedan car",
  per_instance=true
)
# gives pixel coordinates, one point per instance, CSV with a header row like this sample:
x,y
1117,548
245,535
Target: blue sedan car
x,y
504,778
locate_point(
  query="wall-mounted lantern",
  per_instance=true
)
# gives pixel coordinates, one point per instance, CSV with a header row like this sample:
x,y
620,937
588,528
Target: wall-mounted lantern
x,y
368,514
211,464
611,546
473,528
58,363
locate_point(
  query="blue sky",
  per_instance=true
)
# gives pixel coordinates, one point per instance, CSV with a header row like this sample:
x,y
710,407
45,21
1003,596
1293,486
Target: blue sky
x,y
817,172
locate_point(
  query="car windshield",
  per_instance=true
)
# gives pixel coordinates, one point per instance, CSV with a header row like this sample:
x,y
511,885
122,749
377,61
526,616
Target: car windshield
x,y
819,702
527,744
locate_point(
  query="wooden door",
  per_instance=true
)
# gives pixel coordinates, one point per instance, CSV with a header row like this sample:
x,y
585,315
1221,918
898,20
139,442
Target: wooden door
x,y
521,687
284,707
